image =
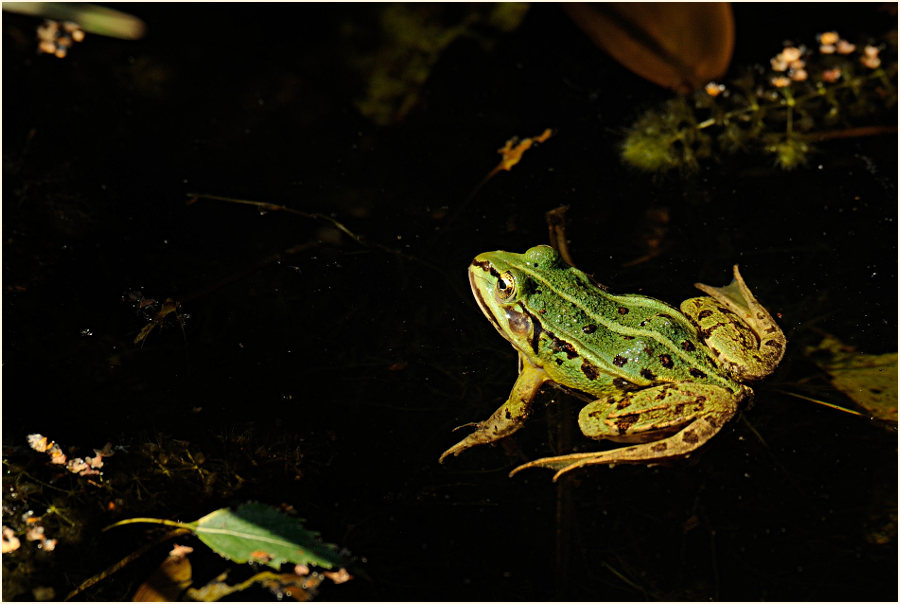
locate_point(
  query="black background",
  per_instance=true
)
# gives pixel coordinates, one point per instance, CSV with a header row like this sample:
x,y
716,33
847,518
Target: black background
x,y
350,364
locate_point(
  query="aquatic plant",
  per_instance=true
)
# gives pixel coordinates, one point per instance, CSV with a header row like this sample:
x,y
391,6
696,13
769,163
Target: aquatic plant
x,y
802,97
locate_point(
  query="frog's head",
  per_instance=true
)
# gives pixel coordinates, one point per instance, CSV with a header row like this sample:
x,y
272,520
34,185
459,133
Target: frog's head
x,y
502,282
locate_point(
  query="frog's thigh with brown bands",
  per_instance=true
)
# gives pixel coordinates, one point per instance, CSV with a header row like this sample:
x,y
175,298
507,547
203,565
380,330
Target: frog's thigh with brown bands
x,y
695,432
655,412
681,444
725,333
737,298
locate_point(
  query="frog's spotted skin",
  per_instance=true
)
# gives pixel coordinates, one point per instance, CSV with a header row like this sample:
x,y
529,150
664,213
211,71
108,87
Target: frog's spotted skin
x,y
657,374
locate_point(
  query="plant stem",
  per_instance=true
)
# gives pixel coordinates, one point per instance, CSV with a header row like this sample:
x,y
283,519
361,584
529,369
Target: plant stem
x,y
184,525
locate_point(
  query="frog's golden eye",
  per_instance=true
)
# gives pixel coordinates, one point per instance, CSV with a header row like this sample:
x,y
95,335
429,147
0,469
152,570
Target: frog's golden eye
x,y
505,289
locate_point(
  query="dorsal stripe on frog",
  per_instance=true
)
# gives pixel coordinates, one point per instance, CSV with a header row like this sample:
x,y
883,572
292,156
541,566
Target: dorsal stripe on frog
x,y
614,327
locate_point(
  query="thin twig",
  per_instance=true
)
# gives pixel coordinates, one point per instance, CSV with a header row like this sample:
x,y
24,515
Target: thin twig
x,y
127,559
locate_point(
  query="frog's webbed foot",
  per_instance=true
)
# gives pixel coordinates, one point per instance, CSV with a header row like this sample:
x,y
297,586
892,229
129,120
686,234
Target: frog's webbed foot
x,y
508,418
680,444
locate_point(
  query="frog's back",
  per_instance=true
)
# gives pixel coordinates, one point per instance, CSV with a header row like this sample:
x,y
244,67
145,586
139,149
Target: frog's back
x,y
590,340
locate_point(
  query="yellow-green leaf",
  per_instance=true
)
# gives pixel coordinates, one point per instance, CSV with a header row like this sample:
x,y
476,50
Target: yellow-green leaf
x,y
869,379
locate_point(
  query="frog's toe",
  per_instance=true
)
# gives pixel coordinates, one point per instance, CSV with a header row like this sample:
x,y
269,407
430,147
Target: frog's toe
x,y
577,465
469,425
478,437
454,451
562,463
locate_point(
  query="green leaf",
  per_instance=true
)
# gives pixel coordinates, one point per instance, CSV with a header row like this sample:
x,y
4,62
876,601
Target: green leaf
x,y
255,532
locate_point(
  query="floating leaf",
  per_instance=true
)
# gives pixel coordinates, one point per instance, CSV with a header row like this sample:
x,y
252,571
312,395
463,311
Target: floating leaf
x,y
869,379
678,45
256,532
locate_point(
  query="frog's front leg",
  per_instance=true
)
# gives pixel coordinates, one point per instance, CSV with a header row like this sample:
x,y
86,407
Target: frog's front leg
x,y
680,416
510,416
741,334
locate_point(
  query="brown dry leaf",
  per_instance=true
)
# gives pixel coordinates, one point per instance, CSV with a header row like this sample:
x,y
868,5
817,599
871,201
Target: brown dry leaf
x,y
678,45
167,582
339,576
289,585
106,451
168,307
180,551
260,556
514,148
284,585
556,225
869,379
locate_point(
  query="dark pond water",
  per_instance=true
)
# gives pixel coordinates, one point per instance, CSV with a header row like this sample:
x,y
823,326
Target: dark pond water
x,y
328,373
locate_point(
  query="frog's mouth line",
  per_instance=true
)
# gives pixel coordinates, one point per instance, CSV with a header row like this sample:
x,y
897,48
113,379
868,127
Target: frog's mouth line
x,y
476,291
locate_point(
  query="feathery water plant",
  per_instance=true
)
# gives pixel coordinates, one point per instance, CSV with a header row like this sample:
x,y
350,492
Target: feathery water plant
x,y
804,96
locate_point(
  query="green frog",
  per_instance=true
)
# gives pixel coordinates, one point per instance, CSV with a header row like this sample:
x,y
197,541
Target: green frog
x,y
664,380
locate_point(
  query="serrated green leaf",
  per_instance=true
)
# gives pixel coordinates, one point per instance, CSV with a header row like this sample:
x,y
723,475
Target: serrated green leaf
x,y
256,532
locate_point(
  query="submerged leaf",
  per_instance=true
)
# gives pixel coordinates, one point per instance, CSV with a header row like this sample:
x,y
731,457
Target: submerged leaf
x,y
168,582
283,585
678,45
255,532
869,379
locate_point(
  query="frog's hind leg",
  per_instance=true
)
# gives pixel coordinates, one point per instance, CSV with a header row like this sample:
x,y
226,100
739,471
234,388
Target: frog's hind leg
x,y
679,444
694,412
754,332
510,416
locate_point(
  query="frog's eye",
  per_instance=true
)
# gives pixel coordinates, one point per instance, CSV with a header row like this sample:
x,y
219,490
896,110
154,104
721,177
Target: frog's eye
x,y
505,289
